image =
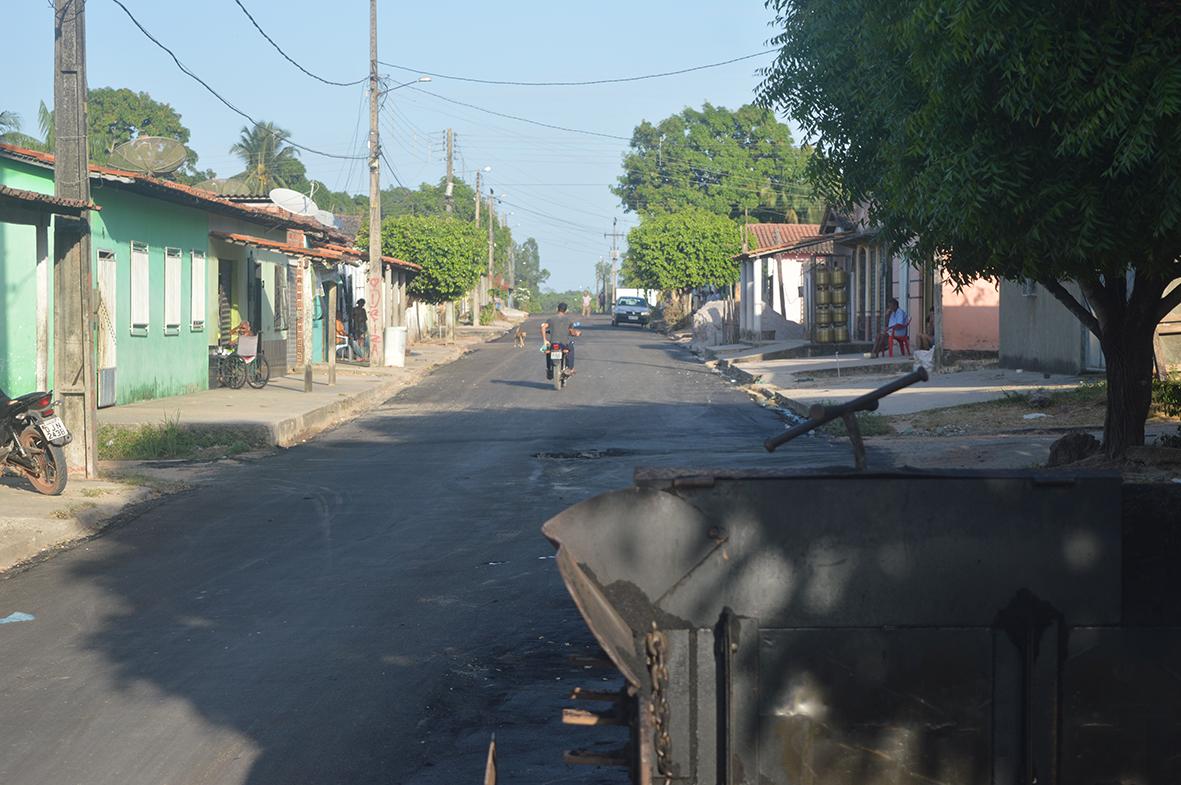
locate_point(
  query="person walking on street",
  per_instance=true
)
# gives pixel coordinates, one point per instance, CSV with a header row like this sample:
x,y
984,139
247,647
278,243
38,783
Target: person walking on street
x,y
602,302
586,303
359,325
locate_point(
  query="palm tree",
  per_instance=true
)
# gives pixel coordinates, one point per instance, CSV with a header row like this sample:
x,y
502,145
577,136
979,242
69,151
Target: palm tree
x,y
9,122
270,161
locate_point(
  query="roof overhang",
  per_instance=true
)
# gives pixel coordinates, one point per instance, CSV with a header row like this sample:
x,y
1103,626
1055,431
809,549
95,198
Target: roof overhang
x,y
32,205
324,256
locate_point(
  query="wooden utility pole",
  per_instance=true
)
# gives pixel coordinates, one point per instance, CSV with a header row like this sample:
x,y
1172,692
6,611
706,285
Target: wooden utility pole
x,y
374,278
73,331
450,171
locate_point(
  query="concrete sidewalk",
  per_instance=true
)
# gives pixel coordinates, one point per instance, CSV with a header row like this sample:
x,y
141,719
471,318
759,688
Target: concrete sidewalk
x,y
283,414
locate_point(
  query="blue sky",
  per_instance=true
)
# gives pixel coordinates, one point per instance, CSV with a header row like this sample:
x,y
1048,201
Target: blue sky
x,y
555,182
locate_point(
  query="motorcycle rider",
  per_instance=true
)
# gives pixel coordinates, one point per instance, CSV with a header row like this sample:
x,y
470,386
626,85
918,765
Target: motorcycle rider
x,y
559,329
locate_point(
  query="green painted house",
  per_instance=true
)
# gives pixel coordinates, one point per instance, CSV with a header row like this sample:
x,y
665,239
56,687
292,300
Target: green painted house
x,y
167,285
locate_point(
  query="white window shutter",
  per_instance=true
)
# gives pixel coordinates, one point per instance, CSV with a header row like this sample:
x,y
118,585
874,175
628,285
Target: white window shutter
x,y
140,288
172,288
197,291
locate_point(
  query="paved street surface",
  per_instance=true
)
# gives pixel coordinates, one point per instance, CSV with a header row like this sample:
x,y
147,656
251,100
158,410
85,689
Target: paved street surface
x,y
366,608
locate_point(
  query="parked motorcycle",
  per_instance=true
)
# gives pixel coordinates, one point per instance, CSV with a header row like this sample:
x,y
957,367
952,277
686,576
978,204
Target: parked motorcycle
x,y
31,441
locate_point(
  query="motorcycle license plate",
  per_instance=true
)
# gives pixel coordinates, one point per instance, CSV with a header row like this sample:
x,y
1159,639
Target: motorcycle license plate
x,y
54,429
555,355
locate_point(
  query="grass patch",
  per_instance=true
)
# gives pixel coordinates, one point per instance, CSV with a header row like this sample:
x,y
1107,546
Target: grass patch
x,y
869,423
93,493
170,440
66,513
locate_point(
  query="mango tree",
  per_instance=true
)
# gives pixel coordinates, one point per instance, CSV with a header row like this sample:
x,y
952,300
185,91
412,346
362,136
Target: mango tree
x,y
1042,142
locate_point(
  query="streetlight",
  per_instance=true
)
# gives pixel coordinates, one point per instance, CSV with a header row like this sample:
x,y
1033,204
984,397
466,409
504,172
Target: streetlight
x,y
405,84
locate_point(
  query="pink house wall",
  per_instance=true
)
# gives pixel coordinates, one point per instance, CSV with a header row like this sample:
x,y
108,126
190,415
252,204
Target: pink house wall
x,y
971,317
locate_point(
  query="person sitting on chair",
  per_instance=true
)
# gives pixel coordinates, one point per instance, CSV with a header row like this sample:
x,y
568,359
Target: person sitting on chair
x,y
896,322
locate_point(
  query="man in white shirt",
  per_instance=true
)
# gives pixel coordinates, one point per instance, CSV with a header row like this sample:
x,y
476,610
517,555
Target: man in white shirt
x,y
896,324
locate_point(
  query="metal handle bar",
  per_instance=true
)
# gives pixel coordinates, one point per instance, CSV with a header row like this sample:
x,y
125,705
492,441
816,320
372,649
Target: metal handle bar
x,y
819,415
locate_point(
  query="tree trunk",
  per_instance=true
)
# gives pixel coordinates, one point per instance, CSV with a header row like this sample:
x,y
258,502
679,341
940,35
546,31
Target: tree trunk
x,y
1127,351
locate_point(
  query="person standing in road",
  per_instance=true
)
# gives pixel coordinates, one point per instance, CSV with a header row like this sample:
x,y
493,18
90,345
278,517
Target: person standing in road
x,y
602,302
586,303
359,325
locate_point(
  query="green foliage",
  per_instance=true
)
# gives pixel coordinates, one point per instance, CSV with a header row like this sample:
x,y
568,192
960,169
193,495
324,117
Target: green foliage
x,y
724,161
1166,396
117,115
170,439
682,250
548,301
488,314
270,162
430,200
1044,143
452,253
530,274
9,122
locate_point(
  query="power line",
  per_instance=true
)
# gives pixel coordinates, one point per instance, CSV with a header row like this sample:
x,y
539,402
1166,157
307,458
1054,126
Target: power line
x,y
218,95
582,83
515,117
288,58
390,166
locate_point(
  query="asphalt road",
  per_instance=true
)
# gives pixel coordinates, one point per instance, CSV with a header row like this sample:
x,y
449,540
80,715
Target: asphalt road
x,y
366,608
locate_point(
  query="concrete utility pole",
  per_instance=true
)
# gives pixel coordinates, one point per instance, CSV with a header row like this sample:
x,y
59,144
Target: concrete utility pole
x,y
491,244
73,333
374,278
614,235
450,171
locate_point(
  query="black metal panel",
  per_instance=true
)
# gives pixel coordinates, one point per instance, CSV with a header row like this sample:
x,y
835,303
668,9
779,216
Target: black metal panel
x,y
875,707
1121,695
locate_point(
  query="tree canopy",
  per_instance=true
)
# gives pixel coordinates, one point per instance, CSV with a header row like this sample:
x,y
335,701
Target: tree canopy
x,y
452,253
1043,144
686,249
430,199
270,162
117,115
728,162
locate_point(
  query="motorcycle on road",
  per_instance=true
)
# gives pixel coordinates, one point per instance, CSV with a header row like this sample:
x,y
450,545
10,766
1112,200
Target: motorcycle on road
x,y
31,441
556,363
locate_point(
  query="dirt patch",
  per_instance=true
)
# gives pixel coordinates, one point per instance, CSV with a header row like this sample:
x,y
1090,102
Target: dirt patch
x,y
1082,408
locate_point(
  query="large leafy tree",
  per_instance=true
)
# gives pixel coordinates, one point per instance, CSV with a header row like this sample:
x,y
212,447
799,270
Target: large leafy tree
x,y
530,275
430,199
683,250
1043,144
733,163
117,115
452,253
270,162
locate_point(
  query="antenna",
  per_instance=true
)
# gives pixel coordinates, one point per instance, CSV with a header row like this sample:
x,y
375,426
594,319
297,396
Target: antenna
x,y
151,155
294,202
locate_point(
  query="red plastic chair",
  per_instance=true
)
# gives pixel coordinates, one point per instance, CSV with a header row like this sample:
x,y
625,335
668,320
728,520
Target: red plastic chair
x,y
903,340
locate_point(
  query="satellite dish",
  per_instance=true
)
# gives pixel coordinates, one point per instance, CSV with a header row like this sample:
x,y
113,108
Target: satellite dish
x,y
154,155
294,202
326,217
